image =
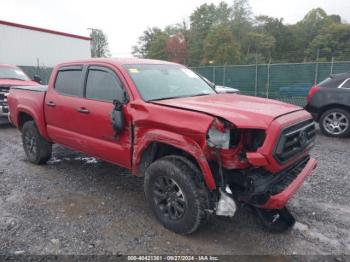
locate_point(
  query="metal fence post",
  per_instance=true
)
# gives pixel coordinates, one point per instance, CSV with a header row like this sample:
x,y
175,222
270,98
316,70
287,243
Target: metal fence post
x,y
332,65
268,80
316,66
224,78
256,80
214,74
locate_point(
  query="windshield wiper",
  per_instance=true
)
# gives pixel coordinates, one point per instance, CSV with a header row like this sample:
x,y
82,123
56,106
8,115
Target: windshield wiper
x,y
164,98
203,94
174,97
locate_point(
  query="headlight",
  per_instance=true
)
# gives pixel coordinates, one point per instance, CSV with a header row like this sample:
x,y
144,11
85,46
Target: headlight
x,y
219,135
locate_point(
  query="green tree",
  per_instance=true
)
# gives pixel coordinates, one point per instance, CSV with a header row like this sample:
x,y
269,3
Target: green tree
x,y
333,41
241,18
201,21
220,47
284,39
307,29
99,43
152,44
259,47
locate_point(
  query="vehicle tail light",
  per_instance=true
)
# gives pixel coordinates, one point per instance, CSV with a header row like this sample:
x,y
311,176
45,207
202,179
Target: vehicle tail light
x,y
311,93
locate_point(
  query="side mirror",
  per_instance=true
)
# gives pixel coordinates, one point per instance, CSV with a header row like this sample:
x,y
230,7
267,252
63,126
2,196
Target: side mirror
x,y
37,79
117,116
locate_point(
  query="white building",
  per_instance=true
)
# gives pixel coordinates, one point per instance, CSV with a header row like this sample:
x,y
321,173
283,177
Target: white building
x,y
24,45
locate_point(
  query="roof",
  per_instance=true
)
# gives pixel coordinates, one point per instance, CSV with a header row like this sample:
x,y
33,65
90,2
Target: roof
x,y
341,75
121,61
43,30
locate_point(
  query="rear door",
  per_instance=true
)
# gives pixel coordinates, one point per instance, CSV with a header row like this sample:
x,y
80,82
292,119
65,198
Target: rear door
x,y
61,104
102,86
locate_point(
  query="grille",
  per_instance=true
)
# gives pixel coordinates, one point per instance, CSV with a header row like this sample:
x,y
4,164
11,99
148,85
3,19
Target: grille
x,y
294,140
4,90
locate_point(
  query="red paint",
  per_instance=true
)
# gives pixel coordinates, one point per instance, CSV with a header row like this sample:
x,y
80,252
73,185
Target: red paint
x,y
311,93
280,200
257,159
43,30
242,111
182,123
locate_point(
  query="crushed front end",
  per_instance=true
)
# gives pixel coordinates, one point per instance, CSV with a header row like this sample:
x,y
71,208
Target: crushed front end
x,y
263,168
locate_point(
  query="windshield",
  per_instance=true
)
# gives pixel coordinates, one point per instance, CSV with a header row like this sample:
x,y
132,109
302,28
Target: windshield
x,y
12,73
157,82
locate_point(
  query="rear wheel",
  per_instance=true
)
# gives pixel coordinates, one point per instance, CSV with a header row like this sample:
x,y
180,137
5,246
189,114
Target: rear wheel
x,y
37,149
335,122
176,194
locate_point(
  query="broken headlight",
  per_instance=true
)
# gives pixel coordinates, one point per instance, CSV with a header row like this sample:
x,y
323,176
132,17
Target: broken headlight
x,y
218,135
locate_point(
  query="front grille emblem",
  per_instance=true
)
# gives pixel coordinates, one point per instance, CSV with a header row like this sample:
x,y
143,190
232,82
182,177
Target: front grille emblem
x,y
302,137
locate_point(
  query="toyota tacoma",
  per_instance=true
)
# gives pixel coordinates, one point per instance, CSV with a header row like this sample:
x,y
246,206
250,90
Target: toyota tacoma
x,y
200,152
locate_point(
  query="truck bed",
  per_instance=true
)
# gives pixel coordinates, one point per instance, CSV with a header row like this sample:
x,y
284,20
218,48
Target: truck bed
x,y
30,100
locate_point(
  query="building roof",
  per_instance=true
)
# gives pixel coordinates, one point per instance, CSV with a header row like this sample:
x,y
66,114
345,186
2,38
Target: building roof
x,y
43,30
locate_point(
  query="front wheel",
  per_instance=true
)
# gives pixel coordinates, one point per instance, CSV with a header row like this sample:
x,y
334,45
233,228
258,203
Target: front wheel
x,y
37,149
176,194
335,122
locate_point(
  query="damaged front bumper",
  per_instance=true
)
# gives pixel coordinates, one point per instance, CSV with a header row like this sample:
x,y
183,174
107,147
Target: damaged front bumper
x,y
265,190
279,200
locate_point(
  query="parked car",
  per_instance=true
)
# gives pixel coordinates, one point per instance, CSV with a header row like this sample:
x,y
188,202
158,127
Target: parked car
x,y
11,76
329,104
226,89
200,152
220,89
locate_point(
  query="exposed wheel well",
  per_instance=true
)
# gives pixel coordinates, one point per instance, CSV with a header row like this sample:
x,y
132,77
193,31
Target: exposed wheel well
x,y
23,118
327,107
157,150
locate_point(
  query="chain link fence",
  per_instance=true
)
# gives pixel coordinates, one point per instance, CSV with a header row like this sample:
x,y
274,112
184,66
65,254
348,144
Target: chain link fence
x,y
288,82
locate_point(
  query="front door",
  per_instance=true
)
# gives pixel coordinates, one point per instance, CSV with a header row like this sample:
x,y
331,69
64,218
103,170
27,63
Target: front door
x,y
102,87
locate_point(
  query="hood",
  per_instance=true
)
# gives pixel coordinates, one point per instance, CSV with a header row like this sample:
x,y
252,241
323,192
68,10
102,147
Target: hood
x,y
242,111
12,82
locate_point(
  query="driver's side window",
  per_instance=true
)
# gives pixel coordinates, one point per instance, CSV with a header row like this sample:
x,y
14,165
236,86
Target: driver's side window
x,y
102,84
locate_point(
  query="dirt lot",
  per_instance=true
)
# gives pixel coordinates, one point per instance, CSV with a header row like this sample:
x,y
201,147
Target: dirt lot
x,y
78,205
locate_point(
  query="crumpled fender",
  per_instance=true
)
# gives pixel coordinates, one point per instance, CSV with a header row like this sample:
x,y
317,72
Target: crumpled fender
x,y
178,141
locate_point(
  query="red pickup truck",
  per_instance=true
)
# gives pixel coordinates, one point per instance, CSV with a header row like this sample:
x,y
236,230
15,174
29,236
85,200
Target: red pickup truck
x,y
200,152
11,76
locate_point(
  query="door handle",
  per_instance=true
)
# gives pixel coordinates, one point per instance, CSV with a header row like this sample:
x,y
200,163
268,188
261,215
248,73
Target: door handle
x,y
83,110
51,104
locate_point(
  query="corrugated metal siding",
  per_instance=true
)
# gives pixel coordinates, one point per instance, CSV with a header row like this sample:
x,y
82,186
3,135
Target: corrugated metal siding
x,y
25,47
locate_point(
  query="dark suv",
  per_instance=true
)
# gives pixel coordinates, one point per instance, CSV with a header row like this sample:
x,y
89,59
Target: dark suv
x,y
329,104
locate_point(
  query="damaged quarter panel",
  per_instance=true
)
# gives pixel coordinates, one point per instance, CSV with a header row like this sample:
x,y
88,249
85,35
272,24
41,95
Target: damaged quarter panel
x,y
183,129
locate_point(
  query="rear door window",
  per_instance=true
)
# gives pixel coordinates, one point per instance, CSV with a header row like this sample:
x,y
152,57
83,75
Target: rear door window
x,y
69,82
103,84
332,82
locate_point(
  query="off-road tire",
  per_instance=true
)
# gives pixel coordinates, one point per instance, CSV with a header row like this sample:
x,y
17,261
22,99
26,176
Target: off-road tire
x,y
189,179
327,113
37,149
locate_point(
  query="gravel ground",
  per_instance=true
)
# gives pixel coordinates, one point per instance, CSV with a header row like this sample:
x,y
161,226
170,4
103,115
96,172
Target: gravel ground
x,y
78,205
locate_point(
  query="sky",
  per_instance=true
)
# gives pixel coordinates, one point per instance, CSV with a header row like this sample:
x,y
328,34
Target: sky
x,y
124,21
